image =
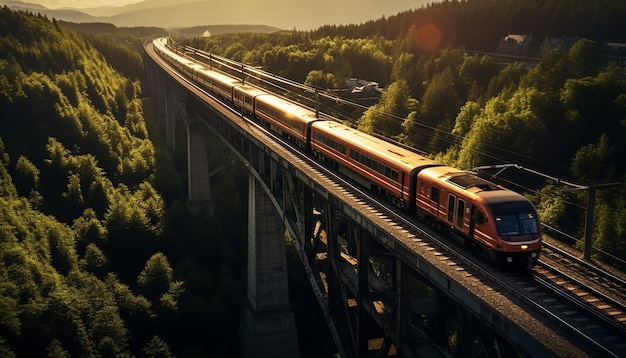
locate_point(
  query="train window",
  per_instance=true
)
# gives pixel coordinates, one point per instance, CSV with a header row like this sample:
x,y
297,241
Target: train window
x,y
451,201
374,165
480,218
515,218
434,195
330,143
528,223
517,224
460,213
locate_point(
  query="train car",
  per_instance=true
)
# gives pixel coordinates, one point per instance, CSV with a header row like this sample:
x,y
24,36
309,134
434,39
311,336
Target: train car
x,y
374,163
160,45
183,64
285,117
244,96
502,222
216,82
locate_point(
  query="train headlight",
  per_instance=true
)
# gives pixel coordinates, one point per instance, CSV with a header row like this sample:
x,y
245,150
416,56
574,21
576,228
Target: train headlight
x,y
509,259
524,247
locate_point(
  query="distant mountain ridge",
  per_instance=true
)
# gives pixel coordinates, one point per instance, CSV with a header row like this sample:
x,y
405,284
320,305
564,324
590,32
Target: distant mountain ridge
x,y
189,13
158,13
61,14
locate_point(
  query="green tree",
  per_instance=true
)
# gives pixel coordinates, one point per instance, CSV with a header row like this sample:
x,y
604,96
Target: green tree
x,y
506,130
89,229
583,59
62,248
26,179
593,163
404,68
387,115
320,79
477,71
507,80
95,259
438,108
156,277
156,348
55,350
464,121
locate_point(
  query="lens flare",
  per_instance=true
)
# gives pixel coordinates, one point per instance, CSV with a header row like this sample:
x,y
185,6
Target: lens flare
x,y
428,37
430,33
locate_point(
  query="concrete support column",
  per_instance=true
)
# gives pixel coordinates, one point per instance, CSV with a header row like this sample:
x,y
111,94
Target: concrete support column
x,y
197,163
267,326
171,112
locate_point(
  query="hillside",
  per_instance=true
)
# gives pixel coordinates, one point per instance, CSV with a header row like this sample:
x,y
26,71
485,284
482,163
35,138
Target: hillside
x,y
75,169
99,255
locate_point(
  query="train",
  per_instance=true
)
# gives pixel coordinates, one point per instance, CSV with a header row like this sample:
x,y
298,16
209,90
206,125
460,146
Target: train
x,y
502,224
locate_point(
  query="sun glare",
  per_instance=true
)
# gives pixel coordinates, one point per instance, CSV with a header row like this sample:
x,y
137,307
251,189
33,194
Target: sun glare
x,y
428,37
431,33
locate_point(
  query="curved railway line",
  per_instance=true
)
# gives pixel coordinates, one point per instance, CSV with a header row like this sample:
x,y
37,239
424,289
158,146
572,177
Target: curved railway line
x,y
574,296
589,305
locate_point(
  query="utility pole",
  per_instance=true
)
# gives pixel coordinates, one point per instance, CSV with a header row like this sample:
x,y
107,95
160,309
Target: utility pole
x,y
589,220
591,204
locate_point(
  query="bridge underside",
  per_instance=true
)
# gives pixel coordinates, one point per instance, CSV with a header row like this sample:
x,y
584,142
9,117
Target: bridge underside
x,y
268,327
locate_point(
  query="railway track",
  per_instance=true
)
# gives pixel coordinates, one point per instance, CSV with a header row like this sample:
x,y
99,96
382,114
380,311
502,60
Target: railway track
x,y
596,327
593,328
584,301
596,278
584,298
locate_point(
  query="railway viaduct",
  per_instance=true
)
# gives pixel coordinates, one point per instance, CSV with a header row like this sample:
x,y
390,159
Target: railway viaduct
x,y
384,290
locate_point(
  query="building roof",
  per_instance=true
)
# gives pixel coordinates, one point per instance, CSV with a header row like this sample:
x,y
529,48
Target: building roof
x,y
515,37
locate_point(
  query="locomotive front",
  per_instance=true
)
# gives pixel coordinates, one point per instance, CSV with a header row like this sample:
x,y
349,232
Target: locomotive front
x,y
515,226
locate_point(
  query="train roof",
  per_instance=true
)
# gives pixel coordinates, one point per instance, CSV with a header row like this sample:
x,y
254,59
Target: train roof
x,y
375,146
471,182
221,77
250,90
287,106
460,178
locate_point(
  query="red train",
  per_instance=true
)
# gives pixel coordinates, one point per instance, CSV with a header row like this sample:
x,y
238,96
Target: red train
x,y
503,224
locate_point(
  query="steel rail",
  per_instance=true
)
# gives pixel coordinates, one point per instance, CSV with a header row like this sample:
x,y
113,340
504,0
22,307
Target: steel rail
x,y
411,224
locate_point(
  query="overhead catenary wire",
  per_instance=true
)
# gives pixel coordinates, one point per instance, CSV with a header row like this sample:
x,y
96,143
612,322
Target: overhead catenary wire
x,y
288,86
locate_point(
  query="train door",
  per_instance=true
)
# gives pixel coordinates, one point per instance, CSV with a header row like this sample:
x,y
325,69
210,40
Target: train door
x,y
434,197
460,213
472,222
451,206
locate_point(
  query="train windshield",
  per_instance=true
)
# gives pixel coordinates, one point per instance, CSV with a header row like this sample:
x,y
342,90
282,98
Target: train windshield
x,y
514,219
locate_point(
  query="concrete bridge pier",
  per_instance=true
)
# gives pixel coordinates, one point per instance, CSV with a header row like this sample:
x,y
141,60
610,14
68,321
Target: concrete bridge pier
x,y
267,327
199,185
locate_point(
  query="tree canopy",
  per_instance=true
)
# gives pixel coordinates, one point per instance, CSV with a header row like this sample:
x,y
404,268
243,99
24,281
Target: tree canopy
x,y
99,254
457,100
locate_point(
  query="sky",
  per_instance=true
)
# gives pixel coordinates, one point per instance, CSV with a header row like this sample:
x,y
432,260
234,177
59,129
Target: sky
x,y
285,14
81,4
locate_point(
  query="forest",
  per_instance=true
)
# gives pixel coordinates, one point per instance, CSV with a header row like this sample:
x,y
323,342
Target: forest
x,y
563,115
100,254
